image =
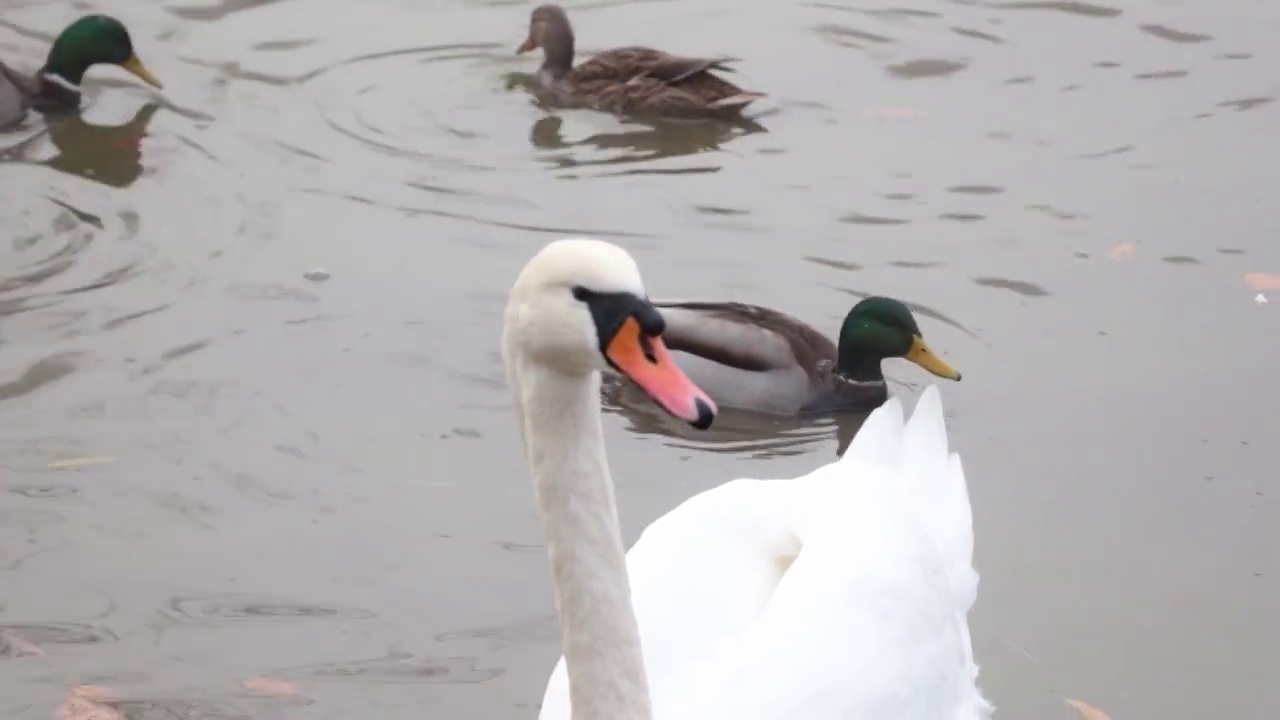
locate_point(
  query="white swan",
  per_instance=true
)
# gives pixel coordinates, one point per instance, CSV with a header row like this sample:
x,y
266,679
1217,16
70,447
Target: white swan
x,y
841,594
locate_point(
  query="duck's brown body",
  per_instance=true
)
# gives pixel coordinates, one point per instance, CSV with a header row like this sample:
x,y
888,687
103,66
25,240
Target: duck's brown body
x,y
633,80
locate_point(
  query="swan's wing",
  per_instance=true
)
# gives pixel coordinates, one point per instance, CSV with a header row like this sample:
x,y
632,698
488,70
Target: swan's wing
x,y
862,626
870,621
867,620
701,575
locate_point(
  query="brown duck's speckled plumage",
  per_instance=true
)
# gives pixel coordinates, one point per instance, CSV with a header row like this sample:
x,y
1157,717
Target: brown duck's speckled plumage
x,y
634,80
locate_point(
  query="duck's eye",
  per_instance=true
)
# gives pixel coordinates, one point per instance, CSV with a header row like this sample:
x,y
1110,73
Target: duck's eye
x,y
580,293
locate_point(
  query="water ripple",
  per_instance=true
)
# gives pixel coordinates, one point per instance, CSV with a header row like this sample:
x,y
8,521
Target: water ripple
x,y
40,634
398,667
236,609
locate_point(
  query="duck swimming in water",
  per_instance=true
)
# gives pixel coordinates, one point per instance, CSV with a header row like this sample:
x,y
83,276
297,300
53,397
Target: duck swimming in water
x,y
638,81
755,358
91,40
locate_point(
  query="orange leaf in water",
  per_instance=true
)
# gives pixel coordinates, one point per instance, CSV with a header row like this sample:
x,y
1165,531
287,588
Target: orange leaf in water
x,y
272,686
1123,251
1020,651
90,702
1087,711
1262,281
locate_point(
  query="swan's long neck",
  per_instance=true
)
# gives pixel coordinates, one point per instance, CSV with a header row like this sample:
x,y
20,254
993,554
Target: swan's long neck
x,y
564,444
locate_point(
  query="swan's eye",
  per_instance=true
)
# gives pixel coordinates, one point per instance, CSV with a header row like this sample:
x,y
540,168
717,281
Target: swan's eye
x,y
610,310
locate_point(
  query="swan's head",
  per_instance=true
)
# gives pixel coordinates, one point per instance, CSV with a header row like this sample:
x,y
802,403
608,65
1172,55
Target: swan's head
x,y
579,306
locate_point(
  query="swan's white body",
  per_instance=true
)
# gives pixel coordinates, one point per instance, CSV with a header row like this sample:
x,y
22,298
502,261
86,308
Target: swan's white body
x,y
843,594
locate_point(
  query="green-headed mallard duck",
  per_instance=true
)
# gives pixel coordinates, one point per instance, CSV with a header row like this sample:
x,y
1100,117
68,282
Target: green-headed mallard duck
x,y
631,80
755,358
89,41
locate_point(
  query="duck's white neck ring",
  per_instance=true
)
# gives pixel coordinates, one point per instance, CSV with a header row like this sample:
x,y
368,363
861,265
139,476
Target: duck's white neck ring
x,y
843,379
60,81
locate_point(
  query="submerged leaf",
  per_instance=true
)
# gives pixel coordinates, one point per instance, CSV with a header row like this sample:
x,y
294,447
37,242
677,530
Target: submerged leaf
x,y
1087,711
79,462
1262,281
91,702
1123,251
272,687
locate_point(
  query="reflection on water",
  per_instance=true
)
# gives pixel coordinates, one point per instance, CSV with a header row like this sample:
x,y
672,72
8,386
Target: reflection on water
x,y
656,140
735,432
109,154
398,667
232,609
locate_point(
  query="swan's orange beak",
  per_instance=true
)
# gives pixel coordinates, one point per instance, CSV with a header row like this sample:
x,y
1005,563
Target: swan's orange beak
x,y
644,359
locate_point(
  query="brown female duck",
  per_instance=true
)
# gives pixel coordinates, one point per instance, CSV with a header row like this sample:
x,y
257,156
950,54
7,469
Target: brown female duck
x,y
631,80
754,358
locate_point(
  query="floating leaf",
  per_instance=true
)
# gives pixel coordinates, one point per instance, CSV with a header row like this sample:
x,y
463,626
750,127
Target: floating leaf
x,y
1123,251
76,463
1087,711
272,687
1020,651
91,702
1262,281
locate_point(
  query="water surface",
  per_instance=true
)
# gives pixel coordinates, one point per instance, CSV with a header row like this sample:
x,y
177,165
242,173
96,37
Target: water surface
x,y
215,470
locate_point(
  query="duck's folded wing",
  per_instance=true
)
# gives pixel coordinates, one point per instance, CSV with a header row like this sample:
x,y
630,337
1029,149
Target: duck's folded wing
x,y
16,91
747,337
624,63
28,85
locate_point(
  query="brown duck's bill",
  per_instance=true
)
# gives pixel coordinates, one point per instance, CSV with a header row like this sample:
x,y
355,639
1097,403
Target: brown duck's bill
x,y
528,44
134,66
921,355
645,360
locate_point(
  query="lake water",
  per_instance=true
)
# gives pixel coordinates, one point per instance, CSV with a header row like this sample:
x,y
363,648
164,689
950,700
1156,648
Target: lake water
x,y
215,470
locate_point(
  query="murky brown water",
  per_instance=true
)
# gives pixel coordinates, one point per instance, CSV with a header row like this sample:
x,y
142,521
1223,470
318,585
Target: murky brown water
x,y
215,470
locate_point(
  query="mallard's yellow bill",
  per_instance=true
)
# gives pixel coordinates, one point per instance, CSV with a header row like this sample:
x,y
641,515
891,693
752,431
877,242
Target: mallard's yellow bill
x,y
135,67
921,355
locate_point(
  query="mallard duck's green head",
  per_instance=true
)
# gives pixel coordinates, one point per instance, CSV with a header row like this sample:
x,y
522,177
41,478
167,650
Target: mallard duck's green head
x,y
91,40
879,328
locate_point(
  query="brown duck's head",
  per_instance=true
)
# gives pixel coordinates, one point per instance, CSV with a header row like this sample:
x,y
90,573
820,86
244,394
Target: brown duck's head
x,y
550,30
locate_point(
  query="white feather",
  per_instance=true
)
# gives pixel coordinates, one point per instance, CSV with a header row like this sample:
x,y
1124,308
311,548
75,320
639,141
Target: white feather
x,y
842,594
